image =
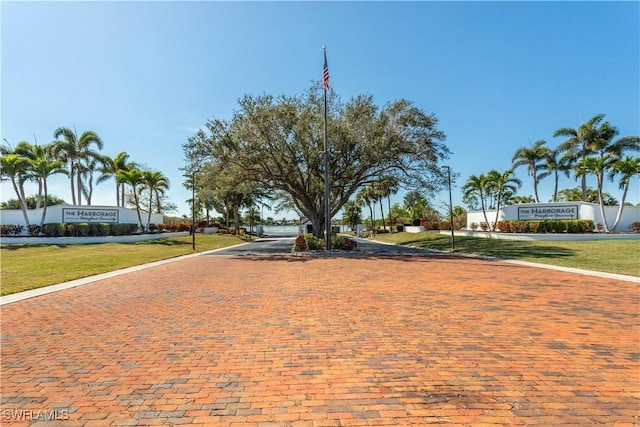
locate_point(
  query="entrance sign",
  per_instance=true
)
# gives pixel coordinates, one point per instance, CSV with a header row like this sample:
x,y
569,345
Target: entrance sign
x,y
548,212
89,215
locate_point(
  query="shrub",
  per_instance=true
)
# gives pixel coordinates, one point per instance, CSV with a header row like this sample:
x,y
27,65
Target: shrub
x,y
399,228
520,226
635,227
587,225
445,225
504,226
311,242
431,225
459,222
343,243
484,226
98,229
183,226
53,229
473,226
11,229
534,226
573,227
115,229
34,229
300,245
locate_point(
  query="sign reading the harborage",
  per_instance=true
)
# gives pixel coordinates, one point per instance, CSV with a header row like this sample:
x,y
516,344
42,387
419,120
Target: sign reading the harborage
x,y
548,212
89,215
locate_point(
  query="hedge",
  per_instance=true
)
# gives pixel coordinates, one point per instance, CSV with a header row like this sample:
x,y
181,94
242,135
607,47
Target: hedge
x,y
75,229
548,226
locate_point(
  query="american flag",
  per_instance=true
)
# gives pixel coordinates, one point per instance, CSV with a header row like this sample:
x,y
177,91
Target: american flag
x,y
325,74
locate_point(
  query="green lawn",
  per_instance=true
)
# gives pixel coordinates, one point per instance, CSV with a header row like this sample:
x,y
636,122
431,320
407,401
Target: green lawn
x,y
611,256
31,266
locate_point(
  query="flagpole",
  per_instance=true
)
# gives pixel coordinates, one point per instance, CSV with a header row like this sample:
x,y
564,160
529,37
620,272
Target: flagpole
x,y
327,186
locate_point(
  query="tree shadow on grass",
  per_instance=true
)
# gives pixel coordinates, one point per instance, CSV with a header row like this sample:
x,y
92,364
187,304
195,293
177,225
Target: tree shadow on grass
x,y
504,249
30,245
161,242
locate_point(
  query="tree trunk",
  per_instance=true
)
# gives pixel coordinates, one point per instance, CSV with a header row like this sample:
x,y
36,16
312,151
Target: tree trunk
x,y
319,224
23,202
555,188
150,207
584,188
382,213
495,223
79,189
39,199
72,175
535,187
484,210
619,215
390,222
601,203
137,202
44,209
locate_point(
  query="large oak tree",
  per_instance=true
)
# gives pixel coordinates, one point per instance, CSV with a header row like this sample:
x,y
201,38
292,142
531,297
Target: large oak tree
x,y
277,143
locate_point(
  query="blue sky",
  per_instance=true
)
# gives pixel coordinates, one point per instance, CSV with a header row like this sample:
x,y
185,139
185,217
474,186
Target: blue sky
x,y
146,75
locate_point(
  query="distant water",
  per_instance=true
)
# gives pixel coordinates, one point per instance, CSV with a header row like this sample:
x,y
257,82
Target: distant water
x,y
290,229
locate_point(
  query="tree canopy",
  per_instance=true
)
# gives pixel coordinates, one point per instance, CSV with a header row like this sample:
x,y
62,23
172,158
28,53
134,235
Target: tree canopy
x,y
277,143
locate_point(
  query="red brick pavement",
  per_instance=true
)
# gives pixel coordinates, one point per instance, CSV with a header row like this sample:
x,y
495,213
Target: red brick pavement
x,y
325,342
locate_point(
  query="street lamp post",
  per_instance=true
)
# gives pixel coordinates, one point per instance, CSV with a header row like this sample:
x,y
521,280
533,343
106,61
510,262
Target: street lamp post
x,y
453,241
193,210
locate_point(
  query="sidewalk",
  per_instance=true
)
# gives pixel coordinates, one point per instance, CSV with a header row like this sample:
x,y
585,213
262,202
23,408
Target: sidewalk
x,y
307,341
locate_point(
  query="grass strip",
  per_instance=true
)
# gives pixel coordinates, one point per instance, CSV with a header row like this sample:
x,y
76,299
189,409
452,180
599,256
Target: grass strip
x,y
610,256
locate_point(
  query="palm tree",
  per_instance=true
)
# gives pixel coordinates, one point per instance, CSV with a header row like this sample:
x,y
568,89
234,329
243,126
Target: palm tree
x,y
89,166
554,165
503,186
156,183
135,179
72,151
386,186
352,214
43,168
532,158
575,195
111,167
579,144
367,195
415,203
627,168
389,186
32,153
596,166
476,190
15,167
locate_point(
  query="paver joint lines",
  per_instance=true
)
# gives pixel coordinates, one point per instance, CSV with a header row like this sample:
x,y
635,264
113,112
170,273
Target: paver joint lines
x,y
328,341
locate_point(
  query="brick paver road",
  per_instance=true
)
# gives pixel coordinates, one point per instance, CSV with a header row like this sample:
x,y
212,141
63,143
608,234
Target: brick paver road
x,y
265,341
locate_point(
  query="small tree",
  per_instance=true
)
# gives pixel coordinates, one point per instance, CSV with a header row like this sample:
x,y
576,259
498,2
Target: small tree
x,y
352,214
626,169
